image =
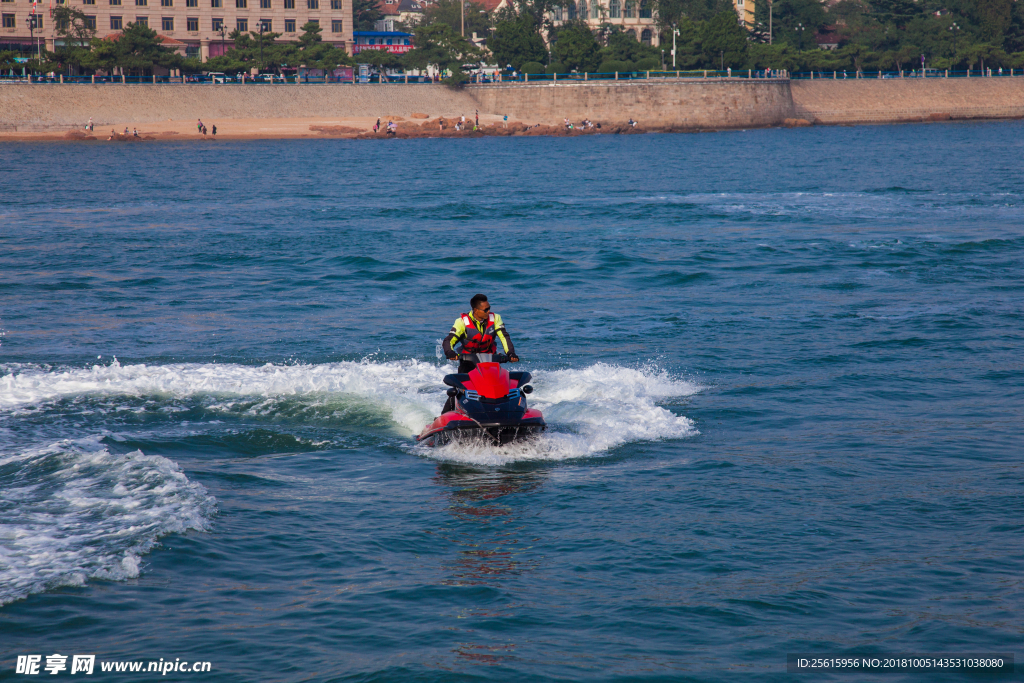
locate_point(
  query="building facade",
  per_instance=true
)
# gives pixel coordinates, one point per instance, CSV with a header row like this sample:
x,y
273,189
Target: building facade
x,y
202,25
634,16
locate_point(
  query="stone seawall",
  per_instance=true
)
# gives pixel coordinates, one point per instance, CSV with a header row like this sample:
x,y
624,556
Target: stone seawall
x,y
665,104
669,103
42,107
678,104
897,100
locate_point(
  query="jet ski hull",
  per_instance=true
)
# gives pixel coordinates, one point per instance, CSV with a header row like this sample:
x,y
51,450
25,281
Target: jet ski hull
x,y
454,427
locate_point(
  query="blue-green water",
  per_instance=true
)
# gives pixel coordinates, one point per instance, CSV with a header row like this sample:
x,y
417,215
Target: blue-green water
x,y
782,369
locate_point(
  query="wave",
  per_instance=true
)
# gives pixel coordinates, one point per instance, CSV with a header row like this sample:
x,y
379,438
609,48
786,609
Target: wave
x,y
590,410
74,511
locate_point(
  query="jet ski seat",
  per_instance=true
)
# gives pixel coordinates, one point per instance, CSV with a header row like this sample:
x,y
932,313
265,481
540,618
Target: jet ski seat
x,y
455,380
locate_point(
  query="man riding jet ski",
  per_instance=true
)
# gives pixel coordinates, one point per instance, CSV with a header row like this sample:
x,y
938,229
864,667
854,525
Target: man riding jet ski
x,y
484,400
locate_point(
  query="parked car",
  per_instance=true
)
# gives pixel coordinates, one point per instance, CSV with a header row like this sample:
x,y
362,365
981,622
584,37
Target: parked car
x,y
218,77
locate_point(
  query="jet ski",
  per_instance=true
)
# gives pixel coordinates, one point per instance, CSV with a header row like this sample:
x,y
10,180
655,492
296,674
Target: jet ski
x,y
490,405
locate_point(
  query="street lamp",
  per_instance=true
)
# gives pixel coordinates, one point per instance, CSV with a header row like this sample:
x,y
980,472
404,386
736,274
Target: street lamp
x,y
675,32
954,28
260,66
31,21
800,28
769,22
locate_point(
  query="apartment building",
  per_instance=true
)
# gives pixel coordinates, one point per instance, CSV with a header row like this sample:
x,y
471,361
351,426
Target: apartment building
x,y
203,26
635,16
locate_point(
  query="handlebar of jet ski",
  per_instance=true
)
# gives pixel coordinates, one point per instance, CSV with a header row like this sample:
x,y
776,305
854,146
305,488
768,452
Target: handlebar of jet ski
x,y
484,357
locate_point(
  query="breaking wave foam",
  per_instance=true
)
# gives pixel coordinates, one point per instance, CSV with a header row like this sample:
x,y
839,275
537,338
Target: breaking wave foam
x,y
589,410
72,511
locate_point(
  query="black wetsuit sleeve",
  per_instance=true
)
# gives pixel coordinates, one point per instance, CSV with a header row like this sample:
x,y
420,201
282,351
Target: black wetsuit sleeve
x,y
447,343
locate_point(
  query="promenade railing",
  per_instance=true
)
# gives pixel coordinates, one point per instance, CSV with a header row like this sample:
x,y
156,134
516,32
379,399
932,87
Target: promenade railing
x,y
911,73
517,78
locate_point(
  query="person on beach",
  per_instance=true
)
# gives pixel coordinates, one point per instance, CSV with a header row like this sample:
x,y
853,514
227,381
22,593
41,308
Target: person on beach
x,y
199,125
126,131
477,119
214,130
113,134
505,121
135,132
478,332
88,126
376,126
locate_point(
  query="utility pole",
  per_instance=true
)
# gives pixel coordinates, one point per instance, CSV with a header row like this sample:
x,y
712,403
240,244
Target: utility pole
x,y
462,16
769,22
675,32
260,70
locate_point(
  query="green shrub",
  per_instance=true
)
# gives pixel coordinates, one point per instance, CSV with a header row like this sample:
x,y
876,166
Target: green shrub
x,y
557,68
649,64
613,65
532,68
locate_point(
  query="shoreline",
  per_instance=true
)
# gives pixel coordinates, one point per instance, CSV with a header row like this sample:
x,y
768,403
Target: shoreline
x,y
362,129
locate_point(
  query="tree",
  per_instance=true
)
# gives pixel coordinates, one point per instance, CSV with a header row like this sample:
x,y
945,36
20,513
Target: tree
x,y
575,47
381,59
365,14
723,42
447,12
623,46
73,26
516,40
136,49
7,58
440,46
671,12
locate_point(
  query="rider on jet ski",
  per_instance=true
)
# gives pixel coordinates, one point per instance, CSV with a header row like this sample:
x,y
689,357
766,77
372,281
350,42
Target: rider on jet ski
x,y
477,331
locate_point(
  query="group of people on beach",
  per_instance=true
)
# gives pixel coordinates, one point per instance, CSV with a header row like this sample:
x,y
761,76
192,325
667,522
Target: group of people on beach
x,y
201,128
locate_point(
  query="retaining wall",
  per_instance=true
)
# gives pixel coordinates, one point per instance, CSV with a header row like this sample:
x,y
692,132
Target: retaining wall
x,y
673,104
678,104
39,107
907,99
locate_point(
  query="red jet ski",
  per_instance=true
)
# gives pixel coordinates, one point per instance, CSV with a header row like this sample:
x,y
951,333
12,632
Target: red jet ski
x,y
490,405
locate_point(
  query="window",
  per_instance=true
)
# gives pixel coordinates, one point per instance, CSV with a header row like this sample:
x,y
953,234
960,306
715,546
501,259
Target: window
x,y
191,3
614,9
389,40
38,20
90,22
557,13
645,36
627,10
289,4
267,25
242,24
570,11
338,26
645,9
215,4
582,10
9,21
312,4
289,26
141,3
264,4
241,4
167,3
88,2
335,4
144,21
217,24
192,23
115,23
406,41
595,10
315,22
192,50
167,23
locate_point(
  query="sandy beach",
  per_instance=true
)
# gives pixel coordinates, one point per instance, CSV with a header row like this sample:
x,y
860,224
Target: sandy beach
x,y
317,127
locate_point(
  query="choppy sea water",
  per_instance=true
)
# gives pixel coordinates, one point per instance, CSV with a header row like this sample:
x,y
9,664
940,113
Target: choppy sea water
x,y
782,370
